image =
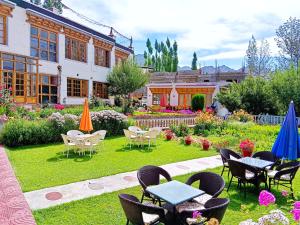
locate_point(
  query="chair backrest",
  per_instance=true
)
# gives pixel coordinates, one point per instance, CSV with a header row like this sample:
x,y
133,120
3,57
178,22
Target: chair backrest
x,y
227,154
130,205
157,129
237,169
102,134
150,175
290,168
212,183
215,208
65,139
134,128
128,133
265,155
73,133
94,139
152,134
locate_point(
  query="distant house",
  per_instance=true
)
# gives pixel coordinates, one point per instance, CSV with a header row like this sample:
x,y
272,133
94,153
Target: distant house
x,y
181,86
48,58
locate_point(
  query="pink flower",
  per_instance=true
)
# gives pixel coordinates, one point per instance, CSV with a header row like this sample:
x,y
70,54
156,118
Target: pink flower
x,y
10,88
297,205
296,214
284,193
196,214
266,198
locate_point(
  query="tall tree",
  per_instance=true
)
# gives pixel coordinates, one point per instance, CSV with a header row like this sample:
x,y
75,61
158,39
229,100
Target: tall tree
x,y
51,4
194,61
264,63
251,55
175,57
288,41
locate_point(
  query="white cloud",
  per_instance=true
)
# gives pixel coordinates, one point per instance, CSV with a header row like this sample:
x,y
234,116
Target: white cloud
x,y
196,25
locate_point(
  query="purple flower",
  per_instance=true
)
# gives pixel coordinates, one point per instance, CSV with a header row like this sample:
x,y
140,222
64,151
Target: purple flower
x,y
266,198
196,214
296,214
297,205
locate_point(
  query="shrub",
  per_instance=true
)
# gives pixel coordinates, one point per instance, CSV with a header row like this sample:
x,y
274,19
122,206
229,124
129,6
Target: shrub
x,y
109,120
198,102
180,131
20,132
207,122
241,116
63,123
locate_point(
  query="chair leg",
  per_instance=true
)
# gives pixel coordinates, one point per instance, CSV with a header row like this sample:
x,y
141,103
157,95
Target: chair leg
x,y
143,195
223,170
229,183
244,190
127,223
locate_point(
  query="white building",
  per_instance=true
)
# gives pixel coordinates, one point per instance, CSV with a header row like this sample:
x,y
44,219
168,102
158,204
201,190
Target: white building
x,y
48,58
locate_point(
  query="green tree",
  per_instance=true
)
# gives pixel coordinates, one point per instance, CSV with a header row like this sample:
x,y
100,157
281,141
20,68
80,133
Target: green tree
x,y
198,102
251,55
286,86
125,78
194,62
254,94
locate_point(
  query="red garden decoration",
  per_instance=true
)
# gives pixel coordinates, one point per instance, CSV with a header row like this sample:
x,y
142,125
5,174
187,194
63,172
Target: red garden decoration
x,y
247,148
205,144
169,135
188,140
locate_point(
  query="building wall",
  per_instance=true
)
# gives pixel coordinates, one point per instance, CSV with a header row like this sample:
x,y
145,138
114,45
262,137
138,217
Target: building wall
x,y
19,43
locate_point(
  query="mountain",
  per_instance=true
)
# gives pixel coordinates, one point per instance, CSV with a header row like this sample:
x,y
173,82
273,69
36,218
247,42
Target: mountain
x,y
184,68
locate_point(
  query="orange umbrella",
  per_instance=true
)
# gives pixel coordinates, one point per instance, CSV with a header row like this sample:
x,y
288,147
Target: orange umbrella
x,y
184,102
86,122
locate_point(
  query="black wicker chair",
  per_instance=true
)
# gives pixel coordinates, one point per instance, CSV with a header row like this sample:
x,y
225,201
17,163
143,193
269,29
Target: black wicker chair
x,y
245,174
141,214
265,155
211,183
213,208
150,175
284,175
227,154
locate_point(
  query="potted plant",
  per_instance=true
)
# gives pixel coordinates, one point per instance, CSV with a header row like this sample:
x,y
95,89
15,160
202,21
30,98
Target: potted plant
x,y
205,144
188,140
247,148
169,135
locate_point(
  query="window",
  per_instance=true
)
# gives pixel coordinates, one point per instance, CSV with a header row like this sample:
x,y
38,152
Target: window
x,y
48,88
75,49
100,89
3,30
156,99
43,44
77,88
102,57
20,74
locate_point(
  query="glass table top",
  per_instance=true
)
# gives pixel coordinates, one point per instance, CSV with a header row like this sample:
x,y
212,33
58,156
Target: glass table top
x,y
255,162
174,192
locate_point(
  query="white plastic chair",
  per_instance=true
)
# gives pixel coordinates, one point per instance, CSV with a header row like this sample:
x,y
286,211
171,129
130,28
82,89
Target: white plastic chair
x,y
102,134
130,136
73,133
69,143
150,136
134,129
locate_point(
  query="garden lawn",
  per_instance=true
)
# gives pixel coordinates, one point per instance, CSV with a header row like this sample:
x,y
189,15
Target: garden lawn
x,y
106,210
43,166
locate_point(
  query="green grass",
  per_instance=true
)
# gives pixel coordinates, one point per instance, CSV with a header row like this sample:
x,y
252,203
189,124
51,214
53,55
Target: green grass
x,y
44,166
106,210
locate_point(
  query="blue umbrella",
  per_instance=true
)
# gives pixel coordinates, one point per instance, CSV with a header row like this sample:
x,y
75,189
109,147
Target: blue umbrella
x,y
287,144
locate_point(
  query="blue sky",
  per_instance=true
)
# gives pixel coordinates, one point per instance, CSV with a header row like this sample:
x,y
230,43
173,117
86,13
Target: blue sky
x,y
215,29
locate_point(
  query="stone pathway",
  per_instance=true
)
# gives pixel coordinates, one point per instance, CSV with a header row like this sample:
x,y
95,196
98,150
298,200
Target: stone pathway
x,y
53,196
14,210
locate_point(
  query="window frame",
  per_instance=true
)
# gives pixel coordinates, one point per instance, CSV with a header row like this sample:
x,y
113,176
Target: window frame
x,y
40,39
49,85
4,30
78,44
83,87
97,55
100,89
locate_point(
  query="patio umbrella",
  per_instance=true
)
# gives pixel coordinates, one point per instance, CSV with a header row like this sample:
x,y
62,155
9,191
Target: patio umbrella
x,y
287,144
86,122
163,101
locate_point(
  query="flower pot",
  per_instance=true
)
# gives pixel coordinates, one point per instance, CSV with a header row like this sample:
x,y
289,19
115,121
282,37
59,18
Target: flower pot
x,y
246,153
168,137
188,142
205,146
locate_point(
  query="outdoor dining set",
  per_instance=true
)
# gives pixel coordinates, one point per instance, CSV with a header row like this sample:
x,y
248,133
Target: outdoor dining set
x,y
137,136
173,202
81,143
262,167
